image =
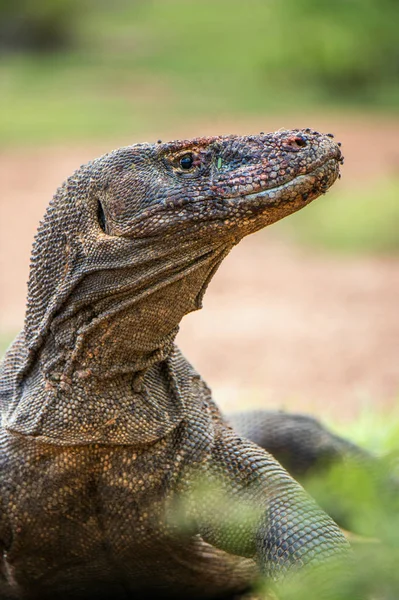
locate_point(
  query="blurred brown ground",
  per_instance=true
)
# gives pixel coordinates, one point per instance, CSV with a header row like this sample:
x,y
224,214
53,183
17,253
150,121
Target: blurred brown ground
x,y
282,326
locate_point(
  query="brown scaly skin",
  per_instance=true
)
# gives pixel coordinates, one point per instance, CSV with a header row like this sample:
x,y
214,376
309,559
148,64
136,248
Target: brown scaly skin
x,y
107,432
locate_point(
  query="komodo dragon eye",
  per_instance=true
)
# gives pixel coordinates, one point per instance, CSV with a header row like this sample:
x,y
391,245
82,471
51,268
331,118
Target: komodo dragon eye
x,y
186,161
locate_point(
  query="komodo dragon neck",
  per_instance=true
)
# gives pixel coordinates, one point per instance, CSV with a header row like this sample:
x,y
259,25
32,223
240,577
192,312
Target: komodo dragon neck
x,y
125,250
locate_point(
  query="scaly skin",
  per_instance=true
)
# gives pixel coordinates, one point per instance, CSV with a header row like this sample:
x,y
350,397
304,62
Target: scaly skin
x,y
110,440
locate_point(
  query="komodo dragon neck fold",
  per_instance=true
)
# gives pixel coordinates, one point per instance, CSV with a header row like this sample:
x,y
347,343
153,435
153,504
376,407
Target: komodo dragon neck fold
x,y
125,250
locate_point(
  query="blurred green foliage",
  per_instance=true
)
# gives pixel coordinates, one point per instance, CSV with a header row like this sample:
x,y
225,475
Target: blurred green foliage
x,y
43,25
132,65
366,499
347,47
361,493
377,432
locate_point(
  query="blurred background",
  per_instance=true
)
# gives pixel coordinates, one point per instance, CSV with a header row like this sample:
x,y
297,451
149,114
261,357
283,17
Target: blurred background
x,y
302,316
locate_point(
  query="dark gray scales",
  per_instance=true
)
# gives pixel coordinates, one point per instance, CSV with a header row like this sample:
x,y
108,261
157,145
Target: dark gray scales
x,y
115,460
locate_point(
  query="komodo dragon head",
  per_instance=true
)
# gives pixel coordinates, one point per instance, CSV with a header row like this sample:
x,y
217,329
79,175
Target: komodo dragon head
x,y
215,190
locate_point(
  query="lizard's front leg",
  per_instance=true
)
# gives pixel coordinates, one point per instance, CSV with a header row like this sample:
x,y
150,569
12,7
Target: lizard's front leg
x,y
324,463
245,503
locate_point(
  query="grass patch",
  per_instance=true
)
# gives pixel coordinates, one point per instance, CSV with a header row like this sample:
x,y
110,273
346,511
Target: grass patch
x,y
378,432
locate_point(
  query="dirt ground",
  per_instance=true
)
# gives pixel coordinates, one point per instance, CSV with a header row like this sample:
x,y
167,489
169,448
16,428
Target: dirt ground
x,y
281,326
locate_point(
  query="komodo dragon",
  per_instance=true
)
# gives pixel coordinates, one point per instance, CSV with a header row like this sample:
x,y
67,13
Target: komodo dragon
x,y
114,458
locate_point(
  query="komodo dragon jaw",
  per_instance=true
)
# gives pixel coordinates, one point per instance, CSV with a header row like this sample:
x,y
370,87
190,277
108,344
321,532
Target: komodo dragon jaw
x,y
226,187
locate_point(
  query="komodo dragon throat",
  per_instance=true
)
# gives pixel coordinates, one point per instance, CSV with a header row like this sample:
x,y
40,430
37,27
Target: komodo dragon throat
x,y
120,478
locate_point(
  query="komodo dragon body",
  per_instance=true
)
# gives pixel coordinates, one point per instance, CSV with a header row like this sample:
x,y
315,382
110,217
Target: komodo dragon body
x,y
110,441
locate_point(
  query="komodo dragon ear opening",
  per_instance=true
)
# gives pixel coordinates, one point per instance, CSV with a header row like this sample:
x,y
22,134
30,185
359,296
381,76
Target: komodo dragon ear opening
x,y
101,217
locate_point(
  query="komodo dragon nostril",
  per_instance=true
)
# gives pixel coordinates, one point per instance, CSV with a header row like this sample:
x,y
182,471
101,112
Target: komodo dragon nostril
x,y
296,142
300,141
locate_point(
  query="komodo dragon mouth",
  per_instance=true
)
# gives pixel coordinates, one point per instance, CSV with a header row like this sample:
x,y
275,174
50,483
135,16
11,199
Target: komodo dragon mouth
x,y
305,187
